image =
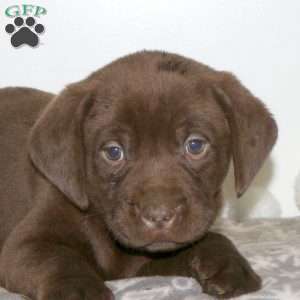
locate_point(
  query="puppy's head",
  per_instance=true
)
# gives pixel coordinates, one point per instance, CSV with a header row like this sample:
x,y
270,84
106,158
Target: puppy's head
x,y
146,142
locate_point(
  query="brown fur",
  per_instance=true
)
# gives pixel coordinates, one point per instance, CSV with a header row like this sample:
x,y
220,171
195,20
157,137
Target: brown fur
x,y
70,220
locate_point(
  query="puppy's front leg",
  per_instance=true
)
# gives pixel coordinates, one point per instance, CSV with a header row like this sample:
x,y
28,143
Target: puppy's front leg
x,y
214,262
43,267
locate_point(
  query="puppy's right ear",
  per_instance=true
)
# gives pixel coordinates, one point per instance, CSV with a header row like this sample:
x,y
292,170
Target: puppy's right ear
x,y
56,144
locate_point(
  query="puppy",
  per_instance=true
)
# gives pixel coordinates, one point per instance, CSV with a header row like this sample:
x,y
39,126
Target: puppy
x,y
120,175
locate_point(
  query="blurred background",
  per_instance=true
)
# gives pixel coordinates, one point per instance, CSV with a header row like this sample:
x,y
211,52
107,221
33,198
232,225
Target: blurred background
x,y
257,40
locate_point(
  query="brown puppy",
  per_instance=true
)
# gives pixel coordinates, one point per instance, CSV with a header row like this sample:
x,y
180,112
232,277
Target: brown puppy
x,y
122,177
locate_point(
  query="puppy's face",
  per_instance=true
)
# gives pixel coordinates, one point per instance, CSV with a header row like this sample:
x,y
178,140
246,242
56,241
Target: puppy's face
x,y
145,144
157,158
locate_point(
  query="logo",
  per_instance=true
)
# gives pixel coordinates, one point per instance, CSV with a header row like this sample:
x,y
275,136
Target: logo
x,y
25,28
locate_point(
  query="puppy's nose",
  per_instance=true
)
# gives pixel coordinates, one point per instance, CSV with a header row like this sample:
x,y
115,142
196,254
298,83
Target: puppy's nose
x,y
159,217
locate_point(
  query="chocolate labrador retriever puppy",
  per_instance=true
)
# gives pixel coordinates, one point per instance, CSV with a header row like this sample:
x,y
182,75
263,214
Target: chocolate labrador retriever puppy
x,y
120,175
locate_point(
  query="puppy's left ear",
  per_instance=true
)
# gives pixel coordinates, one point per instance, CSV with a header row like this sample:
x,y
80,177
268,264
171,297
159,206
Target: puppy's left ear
x,y
56,144
253,130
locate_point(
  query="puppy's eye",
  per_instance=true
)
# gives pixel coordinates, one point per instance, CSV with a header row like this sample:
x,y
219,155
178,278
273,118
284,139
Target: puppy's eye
x,y
195,146
112,151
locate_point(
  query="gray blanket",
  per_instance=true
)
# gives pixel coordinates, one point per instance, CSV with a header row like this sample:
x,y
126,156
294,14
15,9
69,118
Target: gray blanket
x,y
272,247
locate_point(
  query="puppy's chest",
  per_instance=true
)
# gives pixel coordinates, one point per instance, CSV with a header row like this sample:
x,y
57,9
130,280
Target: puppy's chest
x,y
110,259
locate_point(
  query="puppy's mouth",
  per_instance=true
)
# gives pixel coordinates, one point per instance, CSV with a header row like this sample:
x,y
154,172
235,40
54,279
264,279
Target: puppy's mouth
x,y
133,233
163,246
155,245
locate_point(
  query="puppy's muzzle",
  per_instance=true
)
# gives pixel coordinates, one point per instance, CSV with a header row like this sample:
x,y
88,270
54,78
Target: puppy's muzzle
x,y
159,217
159,211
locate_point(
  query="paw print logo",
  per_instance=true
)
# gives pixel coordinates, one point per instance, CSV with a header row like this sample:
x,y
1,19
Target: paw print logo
x,y
24,33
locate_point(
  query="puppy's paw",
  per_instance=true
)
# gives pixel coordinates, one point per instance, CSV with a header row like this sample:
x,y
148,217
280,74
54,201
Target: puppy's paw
x,y
75,289
225,276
